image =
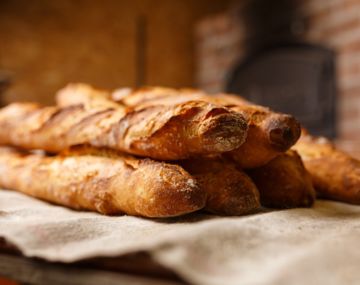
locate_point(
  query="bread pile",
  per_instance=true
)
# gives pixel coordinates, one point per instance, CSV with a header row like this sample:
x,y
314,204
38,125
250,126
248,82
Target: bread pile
x,y
160,152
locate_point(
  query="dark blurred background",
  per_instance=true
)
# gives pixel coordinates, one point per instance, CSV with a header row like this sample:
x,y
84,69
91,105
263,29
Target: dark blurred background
x,y
301,57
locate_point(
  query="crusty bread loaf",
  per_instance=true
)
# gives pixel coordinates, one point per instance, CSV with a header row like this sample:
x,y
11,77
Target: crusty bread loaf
x,y
230,191
106,183
284,182
269,133
162,132
335,174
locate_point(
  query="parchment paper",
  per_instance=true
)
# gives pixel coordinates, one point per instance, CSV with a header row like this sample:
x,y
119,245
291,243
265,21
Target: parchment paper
x,y
299,246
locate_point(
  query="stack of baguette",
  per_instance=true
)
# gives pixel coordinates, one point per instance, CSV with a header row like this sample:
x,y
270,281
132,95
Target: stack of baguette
x,y
160,152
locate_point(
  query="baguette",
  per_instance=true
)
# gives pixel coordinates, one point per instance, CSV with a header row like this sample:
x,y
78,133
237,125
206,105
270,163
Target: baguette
x,y
336,175
230,191
269,133
161,132
104,183
284,182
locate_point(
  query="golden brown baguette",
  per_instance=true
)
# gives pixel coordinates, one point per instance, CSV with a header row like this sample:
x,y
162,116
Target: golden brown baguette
x,y
269,133
284,182
230,191
162,132
104,183
335,174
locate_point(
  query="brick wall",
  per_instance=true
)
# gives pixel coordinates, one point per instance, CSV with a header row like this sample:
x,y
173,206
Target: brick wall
x,y
333,23
336,23
218,45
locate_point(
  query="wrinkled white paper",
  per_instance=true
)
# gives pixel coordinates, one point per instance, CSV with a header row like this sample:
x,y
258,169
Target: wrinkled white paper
x,y
299,246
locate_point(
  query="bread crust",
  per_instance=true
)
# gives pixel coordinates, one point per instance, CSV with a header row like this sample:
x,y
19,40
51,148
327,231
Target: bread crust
x,y
284,182
335,174
161,132
105,183
230,190
269,133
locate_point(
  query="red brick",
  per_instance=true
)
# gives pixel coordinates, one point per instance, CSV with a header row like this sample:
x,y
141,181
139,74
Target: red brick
x,y
351,47
349,24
